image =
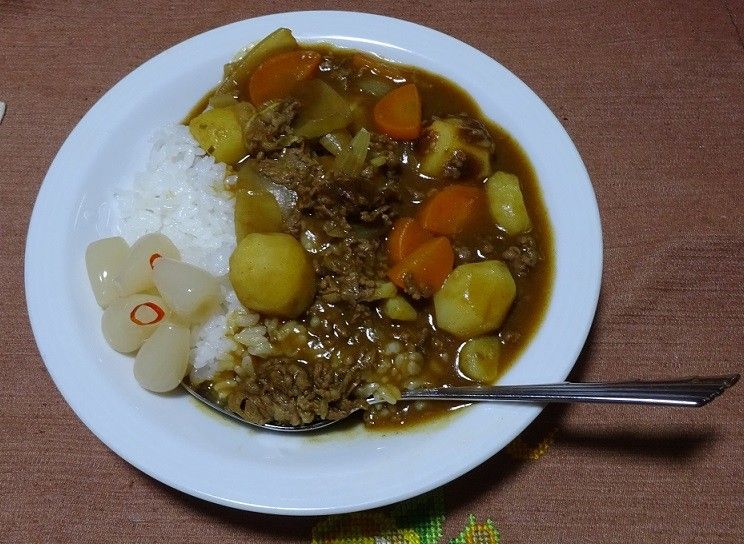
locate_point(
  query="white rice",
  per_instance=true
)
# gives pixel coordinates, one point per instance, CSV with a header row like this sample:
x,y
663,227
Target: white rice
x,y
181,193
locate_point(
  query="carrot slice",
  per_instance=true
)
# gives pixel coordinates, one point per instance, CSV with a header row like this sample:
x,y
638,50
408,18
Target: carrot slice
x,y
398,113
277,76
428,266
451,209
406,235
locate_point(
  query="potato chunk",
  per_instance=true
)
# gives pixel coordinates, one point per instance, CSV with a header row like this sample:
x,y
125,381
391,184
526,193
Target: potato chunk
x,y
478,359
272,274
219,133
475,298
447,151
506,203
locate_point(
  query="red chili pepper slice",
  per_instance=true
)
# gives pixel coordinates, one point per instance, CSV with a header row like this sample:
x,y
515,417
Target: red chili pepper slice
x,y
154,257
159,313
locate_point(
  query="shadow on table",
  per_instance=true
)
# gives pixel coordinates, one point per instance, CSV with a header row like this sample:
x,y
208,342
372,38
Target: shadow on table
x,y
672,444
552,429
505,466
675,446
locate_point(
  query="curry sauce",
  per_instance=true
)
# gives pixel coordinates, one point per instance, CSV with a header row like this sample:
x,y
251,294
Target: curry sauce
x,y
345,341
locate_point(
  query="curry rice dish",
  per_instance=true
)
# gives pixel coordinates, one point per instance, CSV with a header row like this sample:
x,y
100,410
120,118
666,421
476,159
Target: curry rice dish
x,y
386,237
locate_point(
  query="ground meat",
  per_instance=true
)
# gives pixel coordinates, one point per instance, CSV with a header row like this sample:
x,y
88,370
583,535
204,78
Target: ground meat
x,y
414,290
269,129
463,253
337,72
454,166
522,257
290,392
295,168
349,287
328,321
475,132
381,214
330,196
350,269
489,246
415,338
341,222
384,147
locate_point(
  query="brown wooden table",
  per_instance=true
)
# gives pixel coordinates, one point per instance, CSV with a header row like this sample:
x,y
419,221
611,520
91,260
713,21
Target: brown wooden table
x,y
650,91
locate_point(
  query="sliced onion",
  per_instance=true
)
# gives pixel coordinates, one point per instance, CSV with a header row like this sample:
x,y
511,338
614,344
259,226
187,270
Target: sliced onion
x,y
249,177
104,260
374,86
222,100
285,197
136,275
129,321
351,161
192,293
323,110
336,142
162,360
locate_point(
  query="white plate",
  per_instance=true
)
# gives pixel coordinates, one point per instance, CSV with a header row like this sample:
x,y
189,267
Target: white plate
x,y
172,439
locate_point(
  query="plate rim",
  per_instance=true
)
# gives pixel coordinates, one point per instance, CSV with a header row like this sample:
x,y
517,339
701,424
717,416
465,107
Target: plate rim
x,y
32,237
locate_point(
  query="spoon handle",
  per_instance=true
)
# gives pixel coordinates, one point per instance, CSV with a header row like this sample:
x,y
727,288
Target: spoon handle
x,y
693,391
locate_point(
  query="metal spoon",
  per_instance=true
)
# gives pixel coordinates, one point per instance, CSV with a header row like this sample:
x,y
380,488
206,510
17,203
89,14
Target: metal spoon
x,y
691,392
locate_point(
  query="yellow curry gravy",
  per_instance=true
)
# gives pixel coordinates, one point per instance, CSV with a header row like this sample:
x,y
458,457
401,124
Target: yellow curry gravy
x,y
441,97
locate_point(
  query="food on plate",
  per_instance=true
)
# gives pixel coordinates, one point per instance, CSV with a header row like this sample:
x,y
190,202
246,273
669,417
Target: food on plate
x,y
136,274
326,226
474,298
272,274
127,322
476,356
163,358
506,203
104,259
155,321
218,130
192,293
